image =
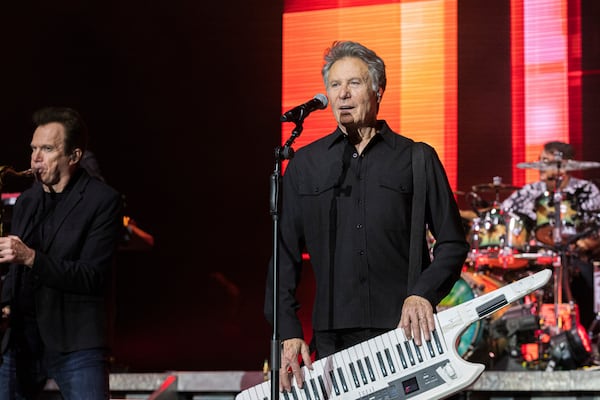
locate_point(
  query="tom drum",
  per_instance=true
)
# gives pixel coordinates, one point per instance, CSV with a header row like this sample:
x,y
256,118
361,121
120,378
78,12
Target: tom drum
x,y
497,238
546,217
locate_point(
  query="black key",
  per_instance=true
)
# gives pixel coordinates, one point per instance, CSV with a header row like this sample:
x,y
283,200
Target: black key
x,y
336,388
438,344
342,379
313,385
390,361
323,389
370,369
411,358
362,372
430,348
401,354
294,394
418,351
354,375
381,364
306,391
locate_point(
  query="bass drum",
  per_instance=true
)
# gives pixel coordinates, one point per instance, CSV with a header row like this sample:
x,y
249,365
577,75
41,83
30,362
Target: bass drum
x,y
469,286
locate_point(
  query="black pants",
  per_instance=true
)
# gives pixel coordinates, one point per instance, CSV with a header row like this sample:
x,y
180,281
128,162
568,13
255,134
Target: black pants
x,y
582,288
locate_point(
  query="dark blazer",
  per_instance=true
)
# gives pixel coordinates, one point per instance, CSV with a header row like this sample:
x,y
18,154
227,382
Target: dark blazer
x,y
73,266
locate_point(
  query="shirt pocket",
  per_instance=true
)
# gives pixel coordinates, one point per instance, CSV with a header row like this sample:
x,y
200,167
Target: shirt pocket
x,y
401,184
316,196
391,202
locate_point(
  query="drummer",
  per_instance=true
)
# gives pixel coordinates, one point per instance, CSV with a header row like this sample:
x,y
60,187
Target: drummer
x,y
586,198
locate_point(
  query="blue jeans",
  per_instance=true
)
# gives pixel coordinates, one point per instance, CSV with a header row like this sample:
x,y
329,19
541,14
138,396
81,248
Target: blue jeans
x,y
79,375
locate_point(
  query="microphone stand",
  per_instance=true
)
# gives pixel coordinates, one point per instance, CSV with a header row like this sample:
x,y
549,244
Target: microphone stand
x,y
281,153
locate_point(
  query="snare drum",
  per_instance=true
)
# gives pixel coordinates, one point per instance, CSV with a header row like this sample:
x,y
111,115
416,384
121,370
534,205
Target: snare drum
x,y
497,237
570,218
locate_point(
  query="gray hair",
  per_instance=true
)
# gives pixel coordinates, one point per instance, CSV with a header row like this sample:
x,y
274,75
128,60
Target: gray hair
x,y
341,49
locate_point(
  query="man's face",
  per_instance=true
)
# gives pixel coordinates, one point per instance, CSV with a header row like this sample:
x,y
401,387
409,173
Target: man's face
x,y
550,175
51,166
353,101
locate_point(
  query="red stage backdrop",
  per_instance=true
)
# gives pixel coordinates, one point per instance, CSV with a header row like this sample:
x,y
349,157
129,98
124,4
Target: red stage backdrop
x,y
418,41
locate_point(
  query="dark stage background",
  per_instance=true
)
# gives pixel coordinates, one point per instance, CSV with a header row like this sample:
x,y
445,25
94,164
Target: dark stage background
x,y
183,101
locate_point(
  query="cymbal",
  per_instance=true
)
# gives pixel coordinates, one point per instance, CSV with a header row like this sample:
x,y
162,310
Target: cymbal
x,y
483,187
564,165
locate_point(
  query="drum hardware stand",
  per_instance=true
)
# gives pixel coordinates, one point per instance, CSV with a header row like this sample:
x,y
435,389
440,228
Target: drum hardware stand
x,y
559,266
504,252
561,278
594,328
497,181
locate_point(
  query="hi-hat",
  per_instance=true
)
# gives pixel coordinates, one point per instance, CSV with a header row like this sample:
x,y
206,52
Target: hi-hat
x,y
483,187
563,165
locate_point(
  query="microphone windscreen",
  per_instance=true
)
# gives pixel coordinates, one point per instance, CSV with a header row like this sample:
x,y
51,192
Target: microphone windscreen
x,y
323,99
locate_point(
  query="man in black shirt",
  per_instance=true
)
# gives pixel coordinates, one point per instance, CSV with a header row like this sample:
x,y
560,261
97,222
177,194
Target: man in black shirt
x,y
347,200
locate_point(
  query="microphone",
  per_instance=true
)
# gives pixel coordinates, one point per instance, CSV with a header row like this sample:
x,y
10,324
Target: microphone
x,y
298,113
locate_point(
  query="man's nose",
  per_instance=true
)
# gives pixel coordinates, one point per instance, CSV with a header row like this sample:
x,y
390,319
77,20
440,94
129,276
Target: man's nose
x,y
36,155
345,92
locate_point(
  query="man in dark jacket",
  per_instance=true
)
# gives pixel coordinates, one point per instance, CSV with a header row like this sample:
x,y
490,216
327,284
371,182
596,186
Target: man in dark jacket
x,y
61,249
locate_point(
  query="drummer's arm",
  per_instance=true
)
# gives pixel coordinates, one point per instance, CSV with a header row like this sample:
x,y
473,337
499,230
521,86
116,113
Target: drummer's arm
x,y
589,243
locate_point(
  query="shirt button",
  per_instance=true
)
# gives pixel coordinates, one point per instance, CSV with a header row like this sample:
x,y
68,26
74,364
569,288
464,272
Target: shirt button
x,y
354,155
358,226
361,252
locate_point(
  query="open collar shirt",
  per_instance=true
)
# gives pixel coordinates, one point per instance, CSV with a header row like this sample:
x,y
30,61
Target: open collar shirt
x,y
352,214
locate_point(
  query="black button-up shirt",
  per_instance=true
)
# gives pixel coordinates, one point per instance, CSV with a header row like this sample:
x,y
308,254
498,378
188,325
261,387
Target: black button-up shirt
x,y
352,213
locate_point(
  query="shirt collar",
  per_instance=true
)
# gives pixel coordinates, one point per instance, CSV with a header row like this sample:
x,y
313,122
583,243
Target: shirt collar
x,y
383,131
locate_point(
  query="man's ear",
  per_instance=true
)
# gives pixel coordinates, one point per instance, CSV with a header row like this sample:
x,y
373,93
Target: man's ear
x,y
75,155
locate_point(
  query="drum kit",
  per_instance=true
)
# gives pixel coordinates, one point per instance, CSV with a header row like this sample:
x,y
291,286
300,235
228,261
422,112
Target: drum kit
x,y
506,246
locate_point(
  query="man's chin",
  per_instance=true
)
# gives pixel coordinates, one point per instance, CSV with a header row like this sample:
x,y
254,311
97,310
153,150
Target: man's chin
x,y
346,119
